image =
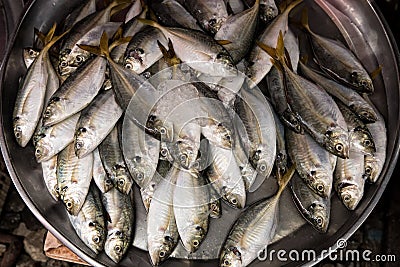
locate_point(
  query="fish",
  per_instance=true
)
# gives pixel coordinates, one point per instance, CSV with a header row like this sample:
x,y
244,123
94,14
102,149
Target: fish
x,y
236,6
90,129
257,117
77,56
89,223
77,91
259,62
319,114
113,162
199,50
100,177
190,206
338,61
30,98
49,169
314,208
51,140
143,51
293,49
135,9
373,164
162,230
268,9
141,153
313,163
215,204
81,28
121,215
239,29
346,95
225,176
73,178
147,192
277,91
30,54
209,14
360,137
253,230
349,180
171,13
85,9
281,161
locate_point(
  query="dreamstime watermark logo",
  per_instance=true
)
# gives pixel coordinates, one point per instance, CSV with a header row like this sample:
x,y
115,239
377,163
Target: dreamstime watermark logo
x,y
340,253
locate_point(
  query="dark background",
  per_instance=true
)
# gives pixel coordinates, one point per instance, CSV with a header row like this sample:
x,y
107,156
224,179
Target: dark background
x,y
21,235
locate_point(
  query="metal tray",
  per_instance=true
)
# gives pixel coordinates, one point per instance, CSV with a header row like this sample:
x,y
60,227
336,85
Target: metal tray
x,y
293,233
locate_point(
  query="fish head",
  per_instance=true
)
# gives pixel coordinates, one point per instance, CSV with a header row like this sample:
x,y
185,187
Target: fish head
x,y
350,194
94,235
83,138
64,67
259,159
72,202
362,139
21,129
141,170
123,181
164,130
267,12
53,111
30,54
184,153
234,199
213,25
337,142
361,79
134,60
195,235
116,244
318,180
365,113
371,169
160,251
230,257
224,65
215,209
319,216
42,150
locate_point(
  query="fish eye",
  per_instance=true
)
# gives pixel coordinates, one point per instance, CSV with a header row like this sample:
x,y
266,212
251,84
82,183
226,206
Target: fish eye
x,y
227,263
182,157
263,167
368,170
196,243
164,152
63,64
320,187
163,130
168,239
92,224
38,152
69,204
82,130
121,182
139,176
78,145
346,198
108,181
128,66
339,147
138,159
96,239
79,59
319,221
117,249
234,201
162,254
367,142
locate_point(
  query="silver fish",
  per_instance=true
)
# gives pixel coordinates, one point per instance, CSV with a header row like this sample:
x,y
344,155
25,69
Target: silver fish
x,y
360,137
257,116
53,139
147,192
86,8
30,54
100,177
162,230
113,162
239,29
73,177
91,130
49,169
349,180
143,51
199,50
292,46
259,61
210,14
89,223
268,9
225,176
141,152
77,91
190,204
119,225
281,153
313,162
373,165
253,230
338,61
134,10
346,95
215,204
172,13
236,6
314,208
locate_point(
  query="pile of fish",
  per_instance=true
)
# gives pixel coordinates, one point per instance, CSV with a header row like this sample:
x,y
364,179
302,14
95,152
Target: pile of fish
x,y
168,100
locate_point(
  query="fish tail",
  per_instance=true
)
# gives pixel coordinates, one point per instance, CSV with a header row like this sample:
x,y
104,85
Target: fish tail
x,y
284,180
50,39
118,5
304,20
150,23
287,6
101,50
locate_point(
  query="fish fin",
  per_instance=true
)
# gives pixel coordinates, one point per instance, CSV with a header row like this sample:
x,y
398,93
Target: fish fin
x,y
280,47
376,72
118,5
50,34
90,48
288,61
223,42
53,39
283,5
304,20
101,50
288,5
120,41
284,180
151,23
118,34
169,55
304,59
40,35
152,15
270,50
